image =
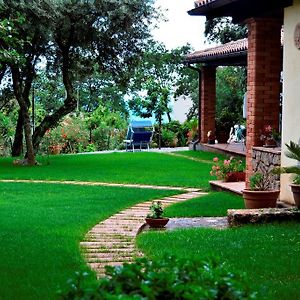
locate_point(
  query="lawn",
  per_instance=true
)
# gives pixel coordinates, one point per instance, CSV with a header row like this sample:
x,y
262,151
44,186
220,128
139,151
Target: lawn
x,y
139,167
212,205
42,224
41,227
268,254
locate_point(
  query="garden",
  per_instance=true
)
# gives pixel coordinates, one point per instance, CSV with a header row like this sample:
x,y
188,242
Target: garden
x,y
43,223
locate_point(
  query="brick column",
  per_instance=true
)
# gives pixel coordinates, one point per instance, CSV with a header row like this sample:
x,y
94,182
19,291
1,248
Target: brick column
x,y
264,66
207,114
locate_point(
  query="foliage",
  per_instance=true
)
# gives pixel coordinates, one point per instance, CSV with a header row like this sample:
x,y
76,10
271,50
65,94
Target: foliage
x,y
221,169
107,127
153,84
6,134
231,85
260,182
269,134
225,120
74,39
223,30
293,152
191,130
10,40
156,210
168,138
252,249
71,136
176,134
102,130
166,278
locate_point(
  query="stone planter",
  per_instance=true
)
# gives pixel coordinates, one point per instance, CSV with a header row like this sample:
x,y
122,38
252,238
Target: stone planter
x,y
260,199
296,193
157,223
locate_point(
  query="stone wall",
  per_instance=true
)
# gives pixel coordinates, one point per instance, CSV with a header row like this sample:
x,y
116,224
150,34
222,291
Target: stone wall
x,y
264,160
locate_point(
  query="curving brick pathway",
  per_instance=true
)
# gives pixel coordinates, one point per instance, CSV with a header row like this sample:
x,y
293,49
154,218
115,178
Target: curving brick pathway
x,y
112,241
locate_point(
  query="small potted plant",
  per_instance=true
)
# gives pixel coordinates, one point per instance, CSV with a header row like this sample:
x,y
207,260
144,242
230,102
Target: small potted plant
x,y
261,194
228,170
155,218
269,136
293,152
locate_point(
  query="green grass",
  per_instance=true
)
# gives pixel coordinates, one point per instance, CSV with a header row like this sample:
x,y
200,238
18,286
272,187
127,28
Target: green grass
x,y
211,205
202,155
41,227
139,167
268,254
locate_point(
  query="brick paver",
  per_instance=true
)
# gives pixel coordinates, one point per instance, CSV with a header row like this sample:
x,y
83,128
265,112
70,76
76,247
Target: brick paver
x,y
112,241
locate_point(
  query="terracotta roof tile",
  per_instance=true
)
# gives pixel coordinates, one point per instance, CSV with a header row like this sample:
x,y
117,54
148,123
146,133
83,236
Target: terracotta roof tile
x,y
225,49
198,3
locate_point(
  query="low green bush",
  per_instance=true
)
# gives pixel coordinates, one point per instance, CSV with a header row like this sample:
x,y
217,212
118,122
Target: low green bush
x,y
167,278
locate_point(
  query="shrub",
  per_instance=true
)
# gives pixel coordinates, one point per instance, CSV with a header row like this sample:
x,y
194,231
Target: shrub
x,y
168,138
167,278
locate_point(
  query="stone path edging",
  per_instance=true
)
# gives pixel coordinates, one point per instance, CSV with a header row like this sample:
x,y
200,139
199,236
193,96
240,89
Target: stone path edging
x,y
112,241
109,184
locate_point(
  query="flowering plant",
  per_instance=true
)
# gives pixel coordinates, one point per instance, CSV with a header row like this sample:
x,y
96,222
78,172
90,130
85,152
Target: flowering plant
x,y
269,135
221,169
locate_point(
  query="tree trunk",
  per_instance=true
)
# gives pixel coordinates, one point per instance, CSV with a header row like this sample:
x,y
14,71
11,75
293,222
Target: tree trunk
x,y
17,148
30,155
69,103
24,110
159,131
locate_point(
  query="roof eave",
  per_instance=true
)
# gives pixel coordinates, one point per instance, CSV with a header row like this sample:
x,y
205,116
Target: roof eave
x,y
235,58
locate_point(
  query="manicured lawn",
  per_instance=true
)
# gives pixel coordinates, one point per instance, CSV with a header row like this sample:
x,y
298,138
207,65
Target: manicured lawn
x,y
41,227
202,155
211,205
268,254
139,167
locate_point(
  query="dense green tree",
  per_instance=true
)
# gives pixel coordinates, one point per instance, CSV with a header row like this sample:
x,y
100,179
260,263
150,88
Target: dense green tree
x,y
72,37
222,30
156,81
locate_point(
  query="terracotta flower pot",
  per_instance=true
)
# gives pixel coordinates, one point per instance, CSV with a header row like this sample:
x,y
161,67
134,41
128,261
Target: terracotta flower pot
x,y
296,193
260,199
235,176
157,223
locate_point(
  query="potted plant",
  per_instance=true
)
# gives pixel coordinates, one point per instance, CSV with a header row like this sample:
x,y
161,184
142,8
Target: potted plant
x,y
293,152
260,194
269,136
228,170
155,219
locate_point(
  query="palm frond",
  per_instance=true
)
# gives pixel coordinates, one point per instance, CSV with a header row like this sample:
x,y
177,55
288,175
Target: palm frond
x,y
293,151
293,169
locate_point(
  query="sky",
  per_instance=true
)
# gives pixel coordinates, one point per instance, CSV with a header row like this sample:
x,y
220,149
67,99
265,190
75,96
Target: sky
x,y
181,28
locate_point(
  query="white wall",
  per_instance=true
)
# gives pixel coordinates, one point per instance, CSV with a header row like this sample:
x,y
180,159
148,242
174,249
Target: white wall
x,y
291,92
181,107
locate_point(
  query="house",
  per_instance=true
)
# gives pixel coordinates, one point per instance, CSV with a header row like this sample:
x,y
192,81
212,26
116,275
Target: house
x,y
265,60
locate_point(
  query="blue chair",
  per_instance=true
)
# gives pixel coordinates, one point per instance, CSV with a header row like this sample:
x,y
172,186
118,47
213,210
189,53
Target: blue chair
x,y
139,134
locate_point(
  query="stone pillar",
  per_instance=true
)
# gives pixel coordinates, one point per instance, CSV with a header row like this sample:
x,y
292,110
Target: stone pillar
x,y
207,100
264,67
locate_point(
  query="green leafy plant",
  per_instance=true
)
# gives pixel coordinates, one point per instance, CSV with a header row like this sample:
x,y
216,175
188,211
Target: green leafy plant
x,y
260,182
165,278
293,152
156,210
